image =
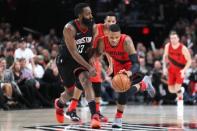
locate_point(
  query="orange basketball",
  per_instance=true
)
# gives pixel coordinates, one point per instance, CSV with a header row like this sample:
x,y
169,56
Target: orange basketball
x,y
121,82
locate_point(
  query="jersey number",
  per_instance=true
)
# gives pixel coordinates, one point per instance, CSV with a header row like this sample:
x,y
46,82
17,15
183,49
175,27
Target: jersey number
x,y
80,48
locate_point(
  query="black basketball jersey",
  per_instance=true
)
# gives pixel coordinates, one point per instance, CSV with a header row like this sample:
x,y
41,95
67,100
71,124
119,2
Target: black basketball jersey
x,y
83,41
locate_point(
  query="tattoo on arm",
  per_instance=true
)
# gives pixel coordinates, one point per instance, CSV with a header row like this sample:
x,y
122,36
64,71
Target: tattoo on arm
x,y
129,46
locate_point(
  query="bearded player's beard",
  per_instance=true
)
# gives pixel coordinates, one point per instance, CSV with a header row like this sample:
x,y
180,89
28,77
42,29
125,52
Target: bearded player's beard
x,y
88,22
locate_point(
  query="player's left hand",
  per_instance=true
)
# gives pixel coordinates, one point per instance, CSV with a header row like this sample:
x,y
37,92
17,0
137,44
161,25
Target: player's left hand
x,y
182,73
128,73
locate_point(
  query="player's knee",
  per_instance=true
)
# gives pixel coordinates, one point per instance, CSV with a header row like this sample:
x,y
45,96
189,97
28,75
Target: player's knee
x,y
97,89
171,89
84,80
122,98
178,88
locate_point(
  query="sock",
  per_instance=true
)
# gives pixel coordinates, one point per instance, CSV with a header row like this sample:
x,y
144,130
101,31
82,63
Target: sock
x,y
143,86
119,114
97,107
92,107
60,104
180,98
133,90
73,105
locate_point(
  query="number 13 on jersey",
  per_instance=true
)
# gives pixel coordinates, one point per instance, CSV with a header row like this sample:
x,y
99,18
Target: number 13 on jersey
x,y
80,48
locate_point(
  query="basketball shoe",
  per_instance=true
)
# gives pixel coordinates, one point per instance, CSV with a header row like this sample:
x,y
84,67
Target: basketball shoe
x,y
59,112
102,117
72,115
117,123
150,89
95,122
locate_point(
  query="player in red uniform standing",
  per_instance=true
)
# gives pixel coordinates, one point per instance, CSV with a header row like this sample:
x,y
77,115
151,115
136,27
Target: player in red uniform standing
x,y
125,60
100,30
179,60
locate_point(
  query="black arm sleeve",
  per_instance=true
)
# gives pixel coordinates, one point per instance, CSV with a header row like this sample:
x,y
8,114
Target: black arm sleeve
x,y
135,63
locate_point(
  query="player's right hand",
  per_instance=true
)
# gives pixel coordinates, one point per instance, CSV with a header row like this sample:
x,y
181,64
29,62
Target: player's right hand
x,y
92,71
128,73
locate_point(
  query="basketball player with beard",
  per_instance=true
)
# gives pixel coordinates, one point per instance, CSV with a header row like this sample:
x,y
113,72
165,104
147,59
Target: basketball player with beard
x,y
73,63
100,30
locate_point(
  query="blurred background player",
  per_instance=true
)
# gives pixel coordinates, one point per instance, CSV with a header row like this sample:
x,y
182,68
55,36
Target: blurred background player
x,y
179,60
125,60
72,62
100,31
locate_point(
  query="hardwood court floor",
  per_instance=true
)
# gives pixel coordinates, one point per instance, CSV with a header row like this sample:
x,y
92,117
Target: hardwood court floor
x,y
136,117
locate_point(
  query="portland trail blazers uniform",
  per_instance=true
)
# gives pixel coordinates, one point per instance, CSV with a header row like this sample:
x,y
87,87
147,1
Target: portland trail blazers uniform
x,y
67,66
177,62
121,58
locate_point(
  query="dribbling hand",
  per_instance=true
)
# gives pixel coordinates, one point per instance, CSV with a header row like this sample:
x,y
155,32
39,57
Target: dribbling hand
x,y
128,73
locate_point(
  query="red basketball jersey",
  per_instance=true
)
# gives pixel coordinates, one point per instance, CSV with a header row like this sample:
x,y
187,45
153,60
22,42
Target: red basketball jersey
x,y
176,57
100,34
120,57
97,62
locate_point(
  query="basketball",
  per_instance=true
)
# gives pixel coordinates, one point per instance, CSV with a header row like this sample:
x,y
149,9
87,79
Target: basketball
x,y
121,82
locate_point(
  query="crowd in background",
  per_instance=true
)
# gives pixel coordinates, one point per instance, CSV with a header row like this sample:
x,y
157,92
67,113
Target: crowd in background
x,y
29,77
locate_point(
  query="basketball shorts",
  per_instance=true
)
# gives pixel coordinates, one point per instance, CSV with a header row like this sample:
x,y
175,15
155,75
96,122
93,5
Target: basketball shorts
x,y
174,76
69,70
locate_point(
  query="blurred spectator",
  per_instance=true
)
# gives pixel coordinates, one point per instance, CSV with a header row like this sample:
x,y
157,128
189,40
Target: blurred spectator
x,y
53,81
149,60
24,52
38,69
32,86
9,56
50,37
143,68
6,77
190,83
46,56
158,83
141,49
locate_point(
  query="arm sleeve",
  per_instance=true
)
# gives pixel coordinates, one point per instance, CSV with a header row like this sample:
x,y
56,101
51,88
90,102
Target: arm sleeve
x,y
135,63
